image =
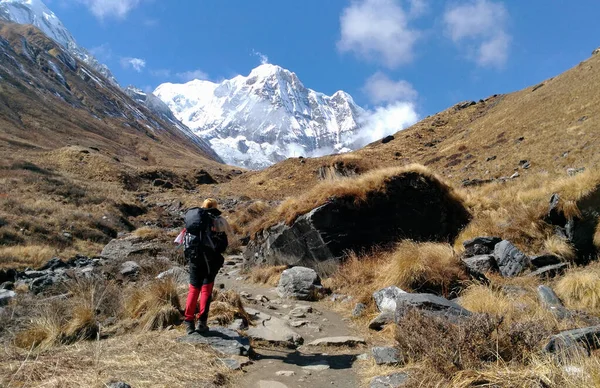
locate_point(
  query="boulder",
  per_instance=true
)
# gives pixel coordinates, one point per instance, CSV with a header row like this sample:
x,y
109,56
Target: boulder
x,y
121,249
387,139
385,355
299,283
117,384
358,310
480,246
6,296
222,340
428,304
300,311
511,261
178,274
385,299
408,205
394,380
550,271
130,269
337,341
545,260
481,264
573,342
548,298
42,284
384,318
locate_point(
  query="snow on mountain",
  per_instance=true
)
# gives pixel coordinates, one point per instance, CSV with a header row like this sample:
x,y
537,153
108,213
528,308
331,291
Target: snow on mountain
x,y
265,117
36,13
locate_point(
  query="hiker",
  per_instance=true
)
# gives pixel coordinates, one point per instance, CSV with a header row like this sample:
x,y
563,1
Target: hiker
x,y
205,241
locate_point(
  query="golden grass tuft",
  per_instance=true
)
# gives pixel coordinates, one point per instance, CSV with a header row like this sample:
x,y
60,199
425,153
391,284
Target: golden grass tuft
x,y
597,237
226,307
43,331
148,233
560,247
268,274
423,267
580,289
359,275
23,256
155,305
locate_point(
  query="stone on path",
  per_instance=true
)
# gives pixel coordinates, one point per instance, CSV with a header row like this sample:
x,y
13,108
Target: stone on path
x,y
271,384
299,283
395,380
385,355
285,373
300,311
232,363
337,341
272,330
511,261
317,366
222,340
385,299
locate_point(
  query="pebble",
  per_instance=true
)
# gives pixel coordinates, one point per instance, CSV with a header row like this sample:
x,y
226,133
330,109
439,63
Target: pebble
x,y
286,373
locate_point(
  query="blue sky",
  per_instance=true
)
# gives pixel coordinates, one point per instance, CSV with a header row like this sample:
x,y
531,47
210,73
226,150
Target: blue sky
x,y
432,53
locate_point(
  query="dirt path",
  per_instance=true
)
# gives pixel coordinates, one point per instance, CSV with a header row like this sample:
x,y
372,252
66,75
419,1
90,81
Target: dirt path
x,y
303,366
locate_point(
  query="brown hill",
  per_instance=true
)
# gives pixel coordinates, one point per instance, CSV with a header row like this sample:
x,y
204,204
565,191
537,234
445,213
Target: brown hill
x,y
552,125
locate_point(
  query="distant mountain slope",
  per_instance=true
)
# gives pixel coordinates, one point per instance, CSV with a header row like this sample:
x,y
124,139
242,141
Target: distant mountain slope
x,y
35,12
48,99
546,128
263,118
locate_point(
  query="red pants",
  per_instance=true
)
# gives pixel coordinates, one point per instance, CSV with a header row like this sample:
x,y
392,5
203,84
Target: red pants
x,y
205,294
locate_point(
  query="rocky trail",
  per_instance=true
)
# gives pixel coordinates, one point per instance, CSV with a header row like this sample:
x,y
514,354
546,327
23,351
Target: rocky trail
x,y
294,343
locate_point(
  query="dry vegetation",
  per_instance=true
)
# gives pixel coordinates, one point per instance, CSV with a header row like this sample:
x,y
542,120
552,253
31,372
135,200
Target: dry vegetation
x,y
580,289
268,275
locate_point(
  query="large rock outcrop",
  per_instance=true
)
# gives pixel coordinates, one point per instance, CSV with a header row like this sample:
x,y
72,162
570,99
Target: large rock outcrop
x,y
410,204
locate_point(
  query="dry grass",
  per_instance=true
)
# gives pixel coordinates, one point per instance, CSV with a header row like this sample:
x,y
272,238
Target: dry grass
x,y
142,360
29,255
559,247
358,189
155,305
268,275
580,289
226,307
148,233
359,276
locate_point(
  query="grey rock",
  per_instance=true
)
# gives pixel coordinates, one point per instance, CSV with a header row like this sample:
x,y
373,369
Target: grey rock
x,y
574,342
358,310
550,271
428,304
40,285
547,297
481,264
480,246
384,355
299,283
53,264
7,286
121,249
6,296
317,366
575,171
514,291
363,357
130,269
511,261
34,274
272,330
237,324
385,299
285,373
337,341
384,318
178,274
222,340
545,260
395,380
118,384
300,311
596,51
232,363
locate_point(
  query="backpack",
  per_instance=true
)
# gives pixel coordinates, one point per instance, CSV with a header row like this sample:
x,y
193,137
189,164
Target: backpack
x,y
198,225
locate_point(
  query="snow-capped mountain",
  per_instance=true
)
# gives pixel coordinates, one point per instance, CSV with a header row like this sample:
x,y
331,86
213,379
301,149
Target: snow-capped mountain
x,y
35,12
263,118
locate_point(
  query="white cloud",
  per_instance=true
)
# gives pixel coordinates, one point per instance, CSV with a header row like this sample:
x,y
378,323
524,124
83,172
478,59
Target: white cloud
x,y
386,120
136,64
110,8
418,7
191,75
379,88
480,26
263,58
379,31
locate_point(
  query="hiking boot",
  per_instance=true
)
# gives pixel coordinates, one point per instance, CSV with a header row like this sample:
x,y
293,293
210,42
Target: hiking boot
x,y
189,327
202,327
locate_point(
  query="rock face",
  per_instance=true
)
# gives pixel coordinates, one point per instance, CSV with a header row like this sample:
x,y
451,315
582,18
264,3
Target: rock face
x,y
428,304
385,299
299,283
410,205
124,248
511,261
222,340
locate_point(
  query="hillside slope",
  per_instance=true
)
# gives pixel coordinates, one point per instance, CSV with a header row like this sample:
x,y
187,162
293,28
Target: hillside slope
x,y
553,126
